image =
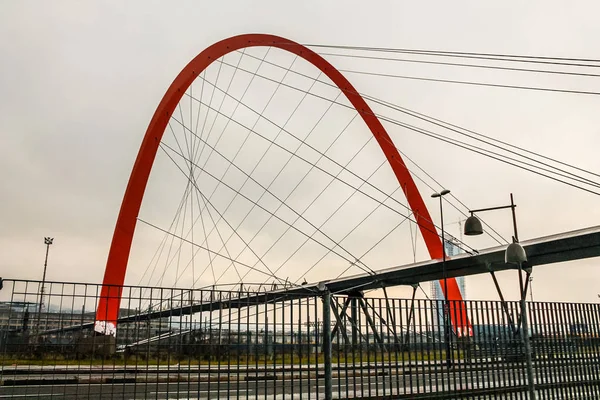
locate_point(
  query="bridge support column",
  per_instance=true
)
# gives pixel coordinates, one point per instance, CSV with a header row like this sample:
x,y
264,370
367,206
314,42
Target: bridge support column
x,y
354,321
511,323
410,316
370,321
339,324
352,301
327,348
391,319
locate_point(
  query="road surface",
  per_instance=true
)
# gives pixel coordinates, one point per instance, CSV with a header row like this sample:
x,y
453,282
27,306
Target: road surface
x,y
288,387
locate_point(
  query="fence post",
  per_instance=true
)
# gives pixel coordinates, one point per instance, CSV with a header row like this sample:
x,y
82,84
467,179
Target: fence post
x,y
327,343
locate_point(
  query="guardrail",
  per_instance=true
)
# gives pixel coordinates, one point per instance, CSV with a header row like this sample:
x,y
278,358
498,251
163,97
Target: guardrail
x,y
205,343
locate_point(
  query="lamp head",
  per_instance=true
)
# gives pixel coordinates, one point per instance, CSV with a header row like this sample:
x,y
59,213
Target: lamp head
x,y
48,240
515,254
440,194
473,226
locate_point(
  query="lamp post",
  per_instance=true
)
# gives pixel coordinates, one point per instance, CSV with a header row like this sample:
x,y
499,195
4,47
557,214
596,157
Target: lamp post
x,y
473,225
515,254
447,326
531,288
47,241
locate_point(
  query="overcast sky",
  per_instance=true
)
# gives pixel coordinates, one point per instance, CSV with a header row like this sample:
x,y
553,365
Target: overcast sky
x,y
80,80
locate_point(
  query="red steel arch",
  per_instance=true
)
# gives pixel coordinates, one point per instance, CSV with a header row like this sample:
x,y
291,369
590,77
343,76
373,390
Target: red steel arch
x,y
116,265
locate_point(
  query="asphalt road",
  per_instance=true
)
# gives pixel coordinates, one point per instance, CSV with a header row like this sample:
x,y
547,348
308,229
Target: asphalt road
x,y
352,386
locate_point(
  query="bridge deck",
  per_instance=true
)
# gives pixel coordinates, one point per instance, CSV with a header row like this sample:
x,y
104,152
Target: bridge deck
x,y
568,246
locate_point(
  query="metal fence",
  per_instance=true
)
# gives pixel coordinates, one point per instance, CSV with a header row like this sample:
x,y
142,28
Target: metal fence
x,y
208,344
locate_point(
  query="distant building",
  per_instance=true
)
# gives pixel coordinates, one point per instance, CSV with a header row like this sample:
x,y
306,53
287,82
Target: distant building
x,y
437,293
15,317
436,289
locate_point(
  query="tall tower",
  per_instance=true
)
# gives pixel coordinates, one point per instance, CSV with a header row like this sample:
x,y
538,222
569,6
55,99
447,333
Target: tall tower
x,y
437,293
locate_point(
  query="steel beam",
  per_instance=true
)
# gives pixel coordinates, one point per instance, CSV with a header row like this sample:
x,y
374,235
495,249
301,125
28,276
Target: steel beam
x,y
370,321
391,318
338,324
411,313
503,304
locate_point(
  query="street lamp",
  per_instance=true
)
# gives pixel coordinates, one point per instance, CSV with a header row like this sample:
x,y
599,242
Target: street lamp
x,y
514,254
47,241
445,276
